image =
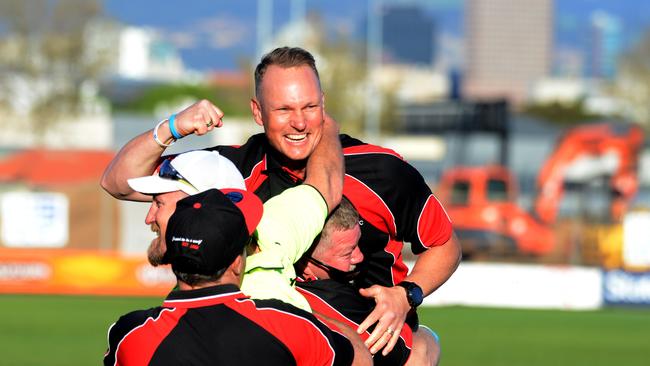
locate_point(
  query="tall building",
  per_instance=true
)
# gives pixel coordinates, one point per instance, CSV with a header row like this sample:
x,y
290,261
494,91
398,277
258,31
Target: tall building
x,y
408,35
605,44
508,45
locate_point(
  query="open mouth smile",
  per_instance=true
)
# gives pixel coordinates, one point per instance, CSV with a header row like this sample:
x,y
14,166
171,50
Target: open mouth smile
x,y
296,137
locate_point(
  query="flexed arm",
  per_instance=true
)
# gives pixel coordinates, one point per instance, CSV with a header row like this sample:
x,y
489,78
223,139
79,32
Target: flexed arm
x,y
141,155
325,167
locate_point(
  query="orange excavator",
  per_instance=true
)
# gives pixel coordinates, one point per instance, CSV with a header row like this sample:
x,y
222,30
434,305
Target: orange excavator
x,y
592,170
482,203
586,155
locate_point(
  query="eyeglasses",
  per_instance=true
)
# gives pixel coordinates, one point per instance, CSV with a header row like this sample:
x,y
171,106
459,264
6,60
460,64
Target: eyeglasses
x,y
169,172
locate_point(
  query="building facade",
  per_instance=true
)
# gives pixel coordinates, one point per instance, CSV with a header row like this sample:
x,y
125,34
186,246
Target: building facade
x,y
508,45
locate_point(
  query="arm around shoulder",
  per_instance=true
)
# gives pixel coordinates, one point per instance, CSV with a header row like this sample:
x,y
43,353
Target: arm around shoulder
x,y
325,168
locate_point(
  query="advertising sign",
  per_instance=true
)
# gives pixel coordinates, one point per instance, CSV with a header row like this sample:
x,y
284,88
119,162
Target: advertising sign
x,y
34,220
636,241
626,288
81,272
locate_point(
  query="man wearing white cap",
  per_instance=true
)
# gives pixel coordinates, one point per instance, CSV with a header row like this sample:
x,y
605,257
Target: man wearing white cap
x,y
177,177
290,223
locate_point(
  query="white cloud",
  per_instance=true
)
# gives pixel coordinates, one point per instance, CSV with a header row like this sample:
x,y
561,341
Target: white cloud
x,y
225,39
223,31
183,40
217,32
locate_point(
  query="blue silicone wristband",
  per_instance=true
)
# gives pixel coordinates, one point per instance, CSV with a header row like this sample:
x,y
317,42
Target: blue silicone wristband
x,y
172,128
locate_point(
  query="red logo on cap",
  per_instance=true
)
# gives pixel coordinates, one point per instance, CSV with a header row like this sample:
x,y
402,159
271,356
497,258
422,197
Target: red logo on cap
x,y
197,205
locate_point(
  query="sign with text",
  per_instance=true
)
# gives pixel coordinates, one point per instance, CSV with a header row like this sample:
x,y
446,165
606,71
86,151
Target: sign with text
x,y
626,288
81,272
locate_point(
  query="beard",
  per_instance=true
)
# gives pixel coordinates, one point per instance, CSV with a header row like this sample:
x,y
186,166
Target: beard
x,y
156,250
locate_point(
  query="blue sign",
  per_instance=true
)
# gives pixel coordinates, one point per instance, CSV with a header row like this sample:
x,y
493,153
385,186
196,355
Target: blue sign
x,y
626,288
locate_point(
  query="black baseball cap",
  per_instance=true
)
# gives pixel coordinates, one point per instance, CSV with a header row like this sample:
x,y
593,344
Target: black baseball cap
x,y
207,231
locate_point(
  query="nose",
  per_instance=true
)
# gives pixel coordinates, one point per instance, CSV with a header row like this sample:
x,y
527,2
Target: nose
x,y
151,215
298,120
357,256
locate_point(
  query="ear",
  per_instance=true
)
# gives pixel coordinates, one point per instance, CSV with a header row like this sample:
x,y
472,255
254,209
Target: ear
x,y
238,265
256,108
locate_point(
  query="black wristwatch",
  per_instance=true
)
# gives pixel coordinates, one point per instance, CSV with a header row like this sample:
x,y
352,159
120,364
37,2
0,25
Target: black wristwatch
x,y
414,293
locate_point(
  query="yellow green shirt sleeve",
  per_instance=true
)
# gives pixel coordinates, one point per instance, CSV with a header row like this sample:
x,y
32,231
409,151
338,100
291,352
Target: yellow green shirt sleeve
x,y
290,223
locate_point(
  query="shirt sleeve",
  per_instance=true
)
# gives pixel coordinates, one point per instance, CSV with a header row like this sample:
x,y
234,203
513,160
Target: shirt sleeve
x,y
416,216
291,221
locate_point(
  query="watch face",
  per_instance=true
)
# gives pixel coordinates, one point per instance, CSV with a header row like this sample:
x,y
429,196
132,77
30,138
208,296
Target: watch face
x,y
415,293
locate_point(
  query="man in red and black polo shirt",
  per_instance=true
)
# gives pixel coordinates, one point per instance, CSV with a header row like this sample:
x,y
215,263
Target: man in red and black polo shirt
x,y
394,202
208,320
325,273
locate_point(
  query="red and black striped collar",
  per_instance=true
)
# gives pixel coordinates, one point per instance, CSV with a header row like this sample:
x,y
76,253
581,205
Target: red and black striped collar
x,y
206,296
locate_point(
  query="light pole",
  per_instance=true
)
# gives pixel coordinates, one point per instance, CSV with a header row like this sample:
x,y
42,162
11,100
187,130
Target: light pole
x,y
374,51
264,26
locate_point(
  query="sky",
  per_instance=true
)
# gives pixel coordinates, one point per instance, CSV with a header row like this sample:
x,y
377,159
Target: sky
x,y
216,34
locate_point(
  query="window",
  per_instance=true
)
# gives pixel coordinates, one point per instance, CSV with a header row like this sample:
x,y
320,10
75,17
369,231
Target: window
x,y
497,190
460,193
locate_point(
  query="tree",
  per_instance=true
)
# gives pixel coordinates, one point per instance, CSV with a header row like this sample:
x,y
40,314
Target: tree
x,y
562,114
633,81
50,57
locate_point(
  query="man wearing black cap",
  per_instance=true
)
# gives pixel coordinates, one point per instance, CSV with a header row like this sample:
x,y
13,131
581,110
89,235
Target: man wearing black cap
x,y
291,221
208,320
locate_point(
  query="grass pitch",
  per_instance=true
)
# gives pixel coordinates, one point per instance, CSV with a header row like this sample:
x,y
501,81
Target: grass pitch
x,y
71,330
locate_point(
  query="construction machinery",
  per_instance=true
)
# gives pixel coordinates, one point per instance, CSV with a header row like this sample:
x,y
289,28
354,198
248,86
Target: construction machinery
x,y
482,203
584,189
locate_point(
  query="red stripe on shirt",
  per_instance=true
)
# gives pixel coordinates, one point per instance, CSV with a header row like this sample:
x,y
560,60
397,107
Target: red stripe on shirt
x,y
256,178
305,341
369,149
139,345
434,224
398,270
369,204
204,301
320,306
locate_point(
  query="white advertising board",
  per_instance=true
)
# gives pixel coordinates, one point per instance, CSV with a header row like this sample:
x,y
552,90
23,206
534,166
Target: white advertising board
x,y
34,220
636,241
521,286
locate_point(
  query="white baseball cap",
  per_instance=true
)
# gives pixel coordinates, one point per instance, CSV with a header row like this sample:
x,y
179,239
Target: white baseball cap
x,y
191,172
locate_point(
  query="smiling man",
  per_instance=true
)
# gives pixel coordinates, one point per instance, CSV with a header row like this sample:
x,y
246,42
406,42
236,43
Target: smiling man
x,y
176,178
394,202
290,223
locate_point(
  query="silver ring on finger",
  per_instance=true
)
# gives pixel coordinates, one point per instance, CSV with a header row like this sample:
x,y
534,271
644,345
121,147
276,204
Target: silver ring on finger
x,y
390,331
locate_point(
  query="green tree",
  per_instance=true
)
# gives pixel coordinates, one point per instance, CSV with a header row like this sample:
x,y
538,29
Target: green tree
x,y
633,81
50,52
563,114
231,100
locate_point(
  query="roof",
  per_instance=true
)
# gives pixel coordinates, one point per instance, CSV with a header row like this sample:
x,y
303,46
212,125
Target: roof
x,y
51,167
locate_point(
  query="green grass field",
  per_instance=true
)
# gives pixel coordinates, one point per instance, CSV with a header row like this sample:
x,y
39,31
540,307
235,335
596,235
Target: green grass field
x,y
71,330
